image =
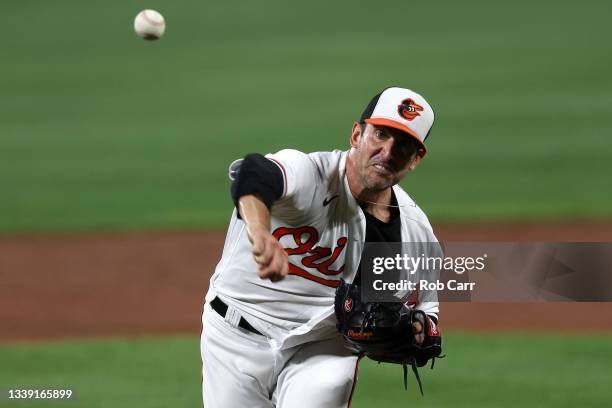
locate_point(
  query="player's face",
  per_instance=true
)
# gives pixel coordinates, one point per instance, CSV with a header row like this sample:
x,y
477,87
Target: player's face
x,y
383,155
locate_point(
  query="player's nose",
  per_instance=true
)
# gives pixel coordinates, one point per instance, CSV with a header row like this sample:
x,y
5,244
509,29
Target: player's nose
x,y
388,148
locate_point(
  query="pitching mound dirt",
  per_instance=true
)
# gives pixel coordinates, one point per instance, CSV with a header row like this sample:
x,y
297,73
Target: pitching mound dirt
x,y
153,283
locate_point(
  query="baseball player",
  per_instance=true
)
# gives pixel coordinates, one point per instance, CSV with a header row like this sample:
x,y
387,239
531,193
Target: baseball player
x,y
269,334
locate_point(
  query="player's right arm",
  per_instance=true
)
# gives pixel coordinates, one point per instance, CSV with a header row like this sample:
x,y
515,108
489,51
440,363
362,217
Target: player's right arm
x,y
288,175
259,182
268,253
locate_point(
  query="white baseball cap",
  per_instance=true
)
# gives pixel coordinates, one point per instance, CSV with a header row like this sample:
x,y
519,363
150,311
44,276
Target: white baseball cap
x,y
401,109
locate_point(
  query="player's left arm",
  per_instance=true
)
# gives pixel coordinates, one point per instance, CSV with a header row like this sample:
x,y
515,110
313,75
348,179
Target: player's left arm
x,y
427,326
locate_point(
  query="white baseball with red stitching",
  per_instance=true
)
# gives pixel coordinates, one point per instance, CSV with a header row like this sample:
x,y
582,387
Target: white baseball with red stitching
x,y
149,24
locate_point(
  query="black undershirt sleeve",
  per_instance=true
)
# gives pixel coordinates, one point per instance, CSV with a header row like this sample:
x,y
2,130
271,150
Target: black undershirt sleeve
x,y
258,176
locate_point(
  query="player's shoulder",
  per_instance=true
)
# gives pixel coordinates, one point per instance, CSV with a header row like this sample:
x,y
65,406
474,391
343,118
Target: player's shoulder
x,y
290,157
327,158
317,157
410,210
327,162
323,163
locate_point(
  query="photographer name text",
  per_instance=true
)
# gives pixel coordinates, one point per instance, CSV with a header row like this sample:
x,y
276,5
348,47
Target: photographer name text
x,y
423,285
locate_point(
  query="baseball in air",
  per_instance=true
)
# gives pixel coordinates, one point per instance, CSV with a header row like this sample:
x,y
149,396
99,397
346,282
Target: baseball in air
x,y
149,24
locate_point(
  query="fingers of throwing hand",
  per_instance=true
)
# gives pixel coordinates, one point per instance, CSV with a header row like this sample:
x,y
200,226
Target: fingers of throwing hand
x,y
274,265
262,249
263,258
279,266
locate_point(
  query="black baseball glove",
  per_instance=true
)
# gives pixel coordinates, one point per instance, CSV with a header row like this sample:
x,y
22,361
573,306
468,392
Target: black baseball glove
x,y
387,332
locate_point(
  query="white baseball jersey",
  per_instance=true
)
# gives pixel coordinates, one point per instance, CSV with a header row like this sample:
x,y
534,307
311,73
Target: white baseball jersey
x,y
321,226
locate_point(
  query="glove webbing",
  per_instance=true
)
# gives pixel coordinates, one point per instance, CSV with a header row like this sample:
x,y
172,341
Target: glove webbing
x,y
416,373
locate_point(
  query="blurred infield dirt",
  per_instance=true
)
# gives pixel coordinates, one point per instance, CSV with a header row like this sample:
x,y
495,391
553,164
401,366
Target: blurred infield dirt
x,y
152,283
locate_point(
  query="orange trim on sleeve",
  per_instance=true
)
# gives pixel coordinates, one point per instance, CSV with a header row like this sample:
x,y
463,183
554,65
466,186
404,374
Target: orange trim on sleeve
x,y
279,164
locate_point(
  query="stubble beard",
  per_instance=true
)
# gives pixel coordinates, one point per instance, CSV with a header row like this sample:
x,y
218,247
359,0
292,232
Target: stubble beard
x,y
376,182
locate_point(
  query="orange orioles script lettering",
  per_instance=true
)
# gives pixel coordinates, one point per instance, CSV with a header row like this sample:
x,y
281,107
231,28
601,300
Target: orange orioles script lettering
x,y
319,258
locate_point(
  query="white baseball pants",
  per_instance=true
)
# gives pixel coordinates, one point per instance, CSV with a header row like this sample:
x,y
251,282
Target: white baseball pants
x,y
240,369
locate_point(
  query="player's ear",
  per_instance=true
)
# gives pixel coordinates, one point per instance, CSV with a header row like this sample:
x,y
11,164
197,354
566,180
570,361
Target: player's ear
x,y
356,135
416,160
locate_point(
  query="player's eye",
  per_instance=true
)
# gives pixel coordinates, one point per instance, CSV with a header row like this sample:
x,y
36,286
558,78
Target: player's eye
x,y
380,135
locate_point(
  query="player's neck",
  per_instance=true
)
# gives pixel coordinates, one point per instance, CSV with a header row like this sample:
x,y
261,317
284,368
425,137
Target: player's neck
x,y
369,198
375,202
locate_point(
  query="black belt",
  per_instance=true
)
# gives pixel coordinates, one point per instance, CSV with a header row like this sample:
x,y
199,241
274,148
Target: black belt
x,y
221,308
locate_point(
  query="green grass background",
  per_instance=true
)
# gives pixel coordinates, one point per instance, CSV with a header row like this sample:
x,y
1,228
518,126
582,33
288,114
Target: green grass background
x,y
102,130
501,370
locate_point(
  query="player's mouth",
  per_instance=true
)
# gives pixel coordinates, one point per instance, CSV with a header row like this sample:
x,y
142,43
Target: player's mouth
x,y
383,168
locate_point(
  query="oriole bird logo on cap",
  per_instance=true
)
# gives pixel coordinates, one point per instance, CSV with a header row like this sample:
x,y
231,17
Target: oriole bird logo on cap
x,y
409,109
